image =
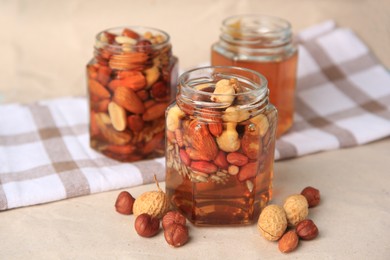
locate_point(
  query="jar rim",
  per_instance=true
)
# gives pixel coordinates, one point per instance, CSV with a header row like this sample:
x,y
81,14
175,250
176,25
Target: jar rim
x,y
259,19
255,29
226,72
137,29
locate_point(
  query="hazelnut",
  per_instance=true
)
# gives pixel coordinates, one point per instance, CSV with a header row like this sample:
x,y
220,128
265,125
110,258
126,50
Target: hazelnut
x,y
296,208
272,222
307,230
124,203
288,242
154,203
312,196
173,217
146,225
176,234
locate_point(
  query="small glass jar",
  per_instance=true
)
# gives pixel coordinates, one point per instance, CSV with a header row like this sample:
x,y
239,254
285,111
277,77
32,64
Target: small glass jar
x,y
131,81
220,146
263,44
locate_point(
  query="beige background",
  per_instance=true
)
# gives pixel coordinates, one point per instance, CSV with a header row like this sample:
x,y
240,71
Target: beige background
x,y
45,44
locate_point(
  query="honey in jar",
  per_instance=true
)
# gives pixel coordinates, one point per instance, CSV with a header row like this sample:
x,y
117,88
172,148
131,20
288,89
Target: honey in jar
x,y
263,44
220,140
131,81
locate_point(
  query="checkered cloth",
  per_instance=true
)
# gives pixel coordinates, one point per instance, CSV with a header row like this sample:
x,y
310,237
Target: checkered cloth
x,y
343,100
343,94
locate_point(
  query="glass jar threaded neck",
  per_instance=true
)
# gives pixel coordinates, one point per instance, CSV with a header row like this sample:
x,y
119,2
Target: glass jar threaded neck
x,y
256,31
196,92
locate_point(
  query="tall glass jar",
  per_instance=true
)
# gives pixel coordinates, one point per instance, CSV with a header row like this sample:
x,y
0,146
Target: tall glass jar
x,y
131,81
220,146
263,44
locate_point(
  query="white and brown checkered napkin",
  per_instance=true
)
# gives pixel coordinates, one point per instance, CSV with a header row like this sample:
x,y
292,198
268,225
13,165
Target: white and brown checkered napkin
x,y
343,94
343,100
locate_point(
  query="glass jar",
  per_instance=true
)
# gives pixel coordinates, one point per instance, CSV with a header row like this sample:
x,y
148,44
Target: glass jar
x,y
263,44
220,146
131,81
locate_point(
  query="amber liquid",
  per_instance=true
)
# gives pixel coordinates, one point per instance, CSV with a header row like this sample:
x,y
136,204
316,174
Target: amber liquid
x,y
210,203
281,76
221,199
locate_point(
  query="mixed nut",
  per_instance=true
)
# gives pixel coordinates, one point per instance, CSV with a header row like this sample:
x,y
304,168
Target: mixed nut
x,y
151,207
274,220
273,223
226,141
130,83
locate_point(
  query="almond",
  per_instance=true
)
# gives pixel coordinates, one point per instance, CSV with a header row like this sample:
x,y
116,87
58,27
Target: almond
x,y
135,82
215,129
103,74
130,33
237,159
93,126
248,171
128,61
154,112
156,140
221,161
201,139
92,71
117,116
98,89
149,103
196,155
122,74
120,149
128,99
204,166
288,242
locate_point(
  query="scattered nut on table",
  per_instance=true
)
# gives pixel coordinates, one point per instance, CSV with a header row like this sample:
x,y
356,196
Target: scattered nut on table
x,y
124,203
173,217
154,203
296,208
176,235
146,225
306,229
288,242
312,196
272,222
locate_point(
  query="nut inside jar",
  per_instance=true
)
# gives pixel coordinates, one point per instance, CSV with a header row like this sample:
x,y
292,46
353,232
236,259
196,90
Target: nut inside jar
x,y
131,81
220,150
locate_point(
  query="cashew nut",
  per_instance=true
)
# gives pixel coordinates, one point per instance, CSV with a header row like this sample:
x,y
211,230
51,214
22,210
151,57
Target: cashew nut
x,y
125,40
228,141
262,124
173,118
152,75
232,114
225,90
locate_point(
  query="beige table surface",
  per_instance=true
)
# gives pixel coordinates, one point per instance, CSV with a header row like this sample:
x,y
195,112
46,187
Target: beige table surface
x,y
44,46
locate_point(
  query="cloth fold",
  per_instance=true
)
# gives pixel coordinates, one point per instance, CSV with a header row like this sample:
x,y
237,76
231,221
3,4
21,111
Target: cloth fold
x,y
342,100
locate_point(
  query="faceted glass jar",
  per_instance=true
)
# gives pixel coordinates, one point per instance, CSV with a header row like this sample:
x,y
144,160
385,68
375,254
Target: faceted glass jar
x,y
220,140
263,44
131,81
